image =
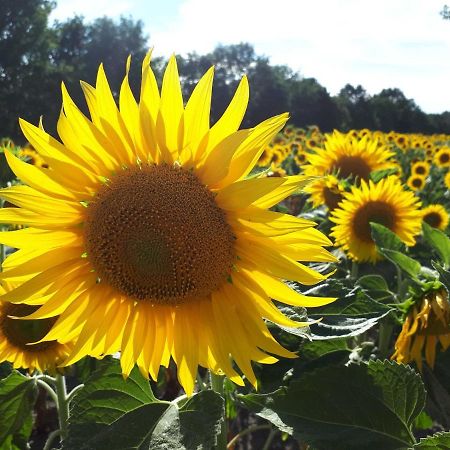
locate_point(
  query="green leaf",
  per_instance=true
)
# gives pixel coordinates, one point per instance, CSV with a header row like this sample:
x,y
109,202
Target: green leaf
x,y
17,397
423,421
117,414
347,408
378,175
373,282
376,287
407,264
353,313
438,441
385,238
439,241
444,275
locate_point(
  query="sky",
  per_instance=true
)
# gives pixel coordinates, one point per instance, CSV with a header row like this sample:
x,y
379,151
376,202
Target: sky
x,y
381,44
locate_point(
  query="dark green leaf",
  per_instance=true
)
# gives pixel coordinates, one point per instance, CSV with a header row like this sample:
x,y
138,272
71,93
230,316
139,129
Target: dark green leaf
x,y
373,282
353,313
439,441
347,408
439,241
407,264
17,396
116,414
385,238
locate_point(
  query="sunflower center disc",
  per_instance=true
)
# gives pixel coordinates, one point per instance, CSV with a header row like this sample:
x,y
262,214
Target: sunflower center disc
x,y
378,212
22,332
433,219
352,166
156,233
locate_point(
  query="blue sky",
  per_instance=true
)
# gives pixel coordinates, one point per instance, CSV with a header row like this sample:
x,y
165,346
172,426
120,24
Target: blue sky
x,y
387,43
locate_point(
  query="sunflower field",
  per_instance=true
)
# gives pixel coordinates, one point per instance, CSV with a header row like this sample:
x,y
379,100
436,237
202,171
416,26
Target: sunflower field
x,y
168,283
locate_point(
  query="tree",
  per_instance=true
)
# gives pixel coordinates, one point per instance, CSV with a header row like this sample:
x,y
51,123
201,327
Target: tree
x,y
354,106
26,70
311,104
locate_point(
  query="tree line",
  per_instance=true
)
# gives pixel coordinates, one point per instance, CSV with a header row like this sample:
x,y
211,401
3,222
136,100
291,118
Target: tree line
x,y
36,55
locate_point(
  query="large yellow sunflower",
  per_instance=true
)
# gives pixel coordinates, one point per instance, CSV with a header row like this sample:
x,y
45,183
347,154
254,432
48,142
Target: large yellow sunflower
x,y
17,337
348,157
385,203
144,234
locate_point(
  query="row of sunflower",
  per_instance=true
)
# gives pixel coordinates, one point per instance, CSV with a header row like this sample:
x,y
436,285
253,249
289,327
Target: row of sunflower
x,y
148,234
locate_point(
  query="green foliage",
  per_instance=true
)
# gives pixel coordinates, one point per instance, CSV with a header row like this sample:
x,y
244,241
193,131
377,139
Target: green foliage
x,y
439,441
17,397
439,242
384,238
369,406
353,313
110,412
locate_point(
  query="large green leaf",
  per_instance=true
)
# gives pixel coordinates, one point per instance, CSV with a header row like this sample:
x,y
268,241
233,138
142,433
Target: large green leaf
x,y
439,441
439,241
117,414
347,408
17,397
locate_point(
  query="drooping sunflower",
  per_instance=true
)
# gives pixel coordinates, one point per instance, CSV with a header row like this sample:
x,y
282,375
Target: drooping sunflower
x,y
385,203
144,234
421,168
327,190
348,157
426,325
18,339
416,182
442,157
436,216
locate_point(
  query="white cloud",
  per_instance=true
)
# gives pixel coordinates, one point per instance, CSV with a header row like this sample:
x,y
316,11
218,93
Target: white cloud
x,y
379,44
387,43
91,9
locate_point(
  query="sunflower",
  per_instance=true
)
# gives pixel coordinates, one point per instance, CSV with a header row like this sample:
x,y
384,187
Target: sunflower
x,y
348,157
301,157
385,203
18,337
32,156
421,168
442,157
145,235
436,216
416,182
426,324
447,179
327,190
265,158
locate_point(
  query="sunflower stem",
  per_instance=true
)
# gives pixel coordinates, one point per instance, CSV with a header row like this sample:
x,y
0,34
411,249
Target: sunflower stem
x,y
63,405
51,437
217,386
354,270
251,429
48,388
269,439
399,284
384,338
